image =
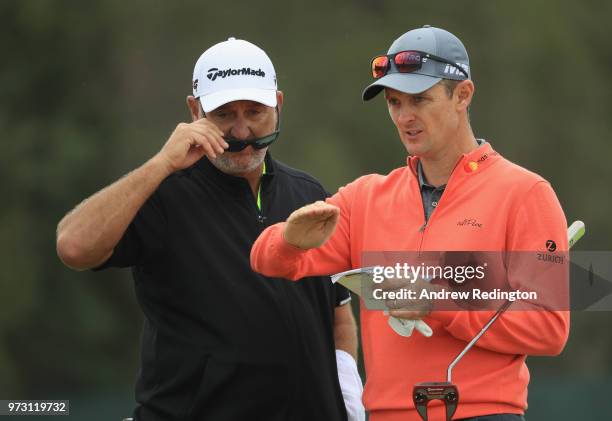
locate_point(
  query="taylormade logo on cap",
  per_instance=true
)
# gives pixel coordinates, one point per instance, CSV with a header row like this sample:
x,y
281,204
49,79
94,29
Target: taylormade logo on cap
x,y
214,73
234,70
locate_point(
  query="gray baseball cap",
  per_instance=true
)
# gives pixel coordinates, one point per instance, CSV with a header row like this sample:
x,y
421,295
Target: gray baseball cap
x,y
430,40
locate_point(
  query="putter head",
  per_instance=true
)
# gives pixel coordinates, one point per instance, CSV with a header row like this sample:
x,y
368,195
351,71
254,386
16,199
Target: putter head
x,y
422,393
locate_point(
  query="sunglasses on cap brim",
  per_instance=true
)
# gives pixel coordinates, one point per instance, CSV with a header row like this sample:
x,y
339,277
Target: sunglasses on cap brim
x,y
407,62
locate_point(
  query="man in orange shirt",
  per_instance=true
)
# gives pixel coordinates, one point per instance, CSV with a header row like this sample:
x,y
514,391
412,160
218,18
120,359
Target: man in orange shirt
x,y
455,193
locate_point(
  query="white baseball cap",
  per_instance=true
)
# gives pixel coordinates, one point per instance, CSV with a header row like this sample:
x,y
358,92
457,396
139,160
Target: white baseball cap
x,y
234,70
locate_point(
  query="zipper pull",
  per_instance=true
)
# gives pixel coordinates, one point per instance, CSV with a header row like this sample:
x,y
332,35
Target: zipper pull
x,y
261,219
422,229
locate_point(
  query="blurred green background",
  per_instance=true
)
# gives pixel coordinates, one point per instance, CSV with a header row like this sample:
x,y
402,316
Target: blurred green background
x,y
90,90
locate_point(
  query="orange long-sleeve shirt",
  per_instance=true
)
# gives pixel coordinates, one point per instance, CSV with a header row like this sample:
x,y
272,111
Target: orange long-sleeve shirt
x,y
511,208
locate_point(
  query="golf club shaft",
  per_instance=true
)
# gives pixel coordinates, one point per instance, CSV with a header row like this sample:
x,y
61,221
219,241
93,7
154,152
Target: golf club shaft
x,y
574,233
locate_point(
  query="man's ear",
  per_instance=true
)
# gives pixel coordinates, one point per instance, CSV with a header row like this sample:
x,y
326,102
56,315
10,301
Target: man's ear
x,y
195,110
279,99
464,93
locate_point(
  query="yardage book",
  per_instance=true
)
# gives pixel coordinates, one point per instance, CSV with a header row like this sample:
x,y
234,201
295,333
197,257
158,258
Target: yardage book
x,y
354,279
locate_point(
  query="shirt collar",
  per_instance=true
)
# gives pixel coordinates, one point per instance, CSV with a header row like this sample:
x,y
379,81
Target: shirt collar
x,y
415,163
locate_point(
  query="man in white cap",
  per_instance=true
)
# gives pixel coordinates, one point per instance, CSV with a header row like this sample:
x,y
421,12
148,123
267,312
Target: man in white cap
x,y
451,177
221,342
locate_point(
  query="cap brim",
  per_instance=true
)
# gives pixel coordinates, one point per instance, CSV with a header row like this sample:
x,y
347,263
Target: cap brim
x,y
217,99
410,83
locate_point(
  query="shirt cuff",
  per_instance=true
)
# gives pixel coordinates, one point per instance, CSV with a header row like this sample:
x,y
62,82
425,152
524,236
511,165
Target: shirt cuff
x,y
284,250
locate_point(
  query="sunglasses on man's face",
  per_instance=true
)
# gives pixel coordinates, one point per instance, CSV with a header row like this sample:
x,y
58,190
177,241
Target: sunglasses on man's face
x,y
236,145
406,62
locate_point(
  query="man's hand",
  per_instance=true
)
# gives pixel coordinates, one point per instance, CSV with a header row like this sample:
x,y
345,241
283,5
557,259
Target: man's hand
x,y
191,141
405,308
310,226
